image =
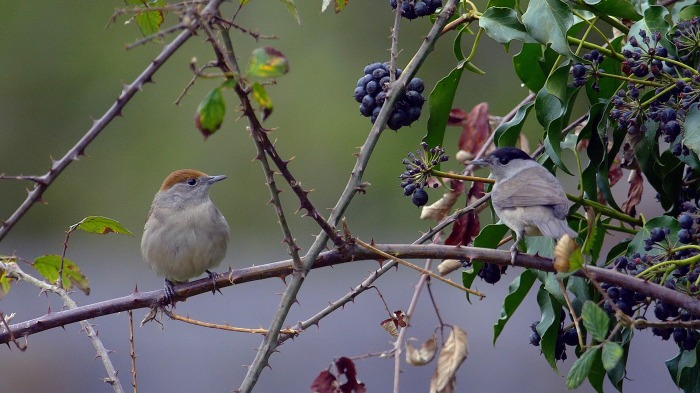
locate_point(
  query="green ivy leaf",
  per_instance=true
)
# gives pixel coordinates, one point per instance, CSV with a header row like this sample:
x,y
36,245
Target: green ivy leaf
x,y
691,136
612,353
548,21
100,225
548,328
517,290
581,368
267,62
440,104
508,133
260,96
503,25
595,320
49,265
637,244
617,8
210,113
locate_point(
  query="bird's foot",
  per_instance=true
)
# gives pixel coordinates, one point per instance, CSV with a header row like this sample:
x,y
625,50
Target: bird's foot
x,y
513,253
212,277
169,293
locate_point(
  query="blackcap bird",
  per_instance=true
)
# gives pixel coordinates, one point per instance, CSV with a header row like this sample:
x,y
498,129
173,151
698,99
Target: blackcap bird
x,y
185,234
526,197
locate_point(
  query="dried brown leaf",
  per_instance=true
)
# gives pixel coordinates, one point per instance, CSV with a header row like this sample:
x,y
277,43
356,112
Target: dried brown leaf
x,y
422,355
392,325
452,354
562,252
615,172
352,385
634,195
438,210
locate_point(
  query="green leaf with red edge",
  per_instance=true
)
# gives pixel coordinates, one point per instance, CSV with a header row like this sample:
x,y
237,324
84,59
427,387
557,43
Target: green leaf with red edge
x,y
100,225
210,113
267,62
260,96
149,22
517,290
49,265
489,237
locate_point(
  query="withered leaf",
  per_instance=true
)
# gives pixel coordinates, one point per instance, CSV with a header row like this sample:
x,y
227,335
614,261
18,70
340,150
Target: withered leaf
x,y
475,129
634,195
467,226
422,355
438,210
452,354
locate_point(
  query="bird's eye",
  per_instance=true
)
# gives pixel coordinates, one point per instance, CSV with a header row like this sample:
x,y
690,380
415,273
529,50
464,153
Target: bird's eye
x,y
191,181
504,160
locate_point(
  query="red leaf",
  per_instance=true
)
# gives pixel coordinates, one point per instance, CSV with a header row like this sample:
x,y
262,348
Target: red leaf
x,y
468,226
475,129
347,367
325,382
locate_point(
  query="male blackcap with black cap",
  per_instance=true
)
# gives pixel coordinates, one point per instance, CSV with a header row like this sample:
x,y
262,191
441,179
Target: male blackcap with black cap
x,y
526,197
185,234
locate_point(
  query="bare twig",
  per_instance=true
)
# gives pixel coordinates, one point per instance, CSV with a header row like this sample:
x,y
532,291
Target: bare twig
x,y
419,269
226,327
132,352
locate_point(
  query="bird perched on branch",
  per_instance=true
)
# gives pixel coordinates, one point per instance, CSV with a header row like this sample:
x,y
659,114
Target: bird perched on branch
x,y
185,234
526,196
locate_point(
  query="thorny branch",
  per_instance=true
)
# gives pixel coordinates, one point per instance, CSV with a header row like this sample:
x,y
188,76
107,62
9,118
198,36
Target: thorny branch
x,y
351,254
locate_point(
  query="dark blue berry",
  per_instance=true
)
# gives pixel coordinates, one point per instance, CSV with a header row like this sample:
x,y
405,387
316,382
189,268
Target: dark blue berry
x,y
679,335
686,221
535,339
657,234
420,197
684,236
570,337
690,342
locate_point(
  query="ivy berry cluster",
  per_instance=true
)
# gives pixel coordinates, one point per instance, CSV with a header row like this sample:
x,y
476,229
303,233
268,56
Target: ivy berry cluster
x,y
418,171
411,9
371,92
664,82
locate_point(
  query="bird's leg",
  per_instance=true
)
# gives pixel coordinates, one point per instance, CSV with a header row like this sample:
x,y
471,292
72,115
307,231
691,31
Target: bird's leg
x,y
169,293
514,248
212,277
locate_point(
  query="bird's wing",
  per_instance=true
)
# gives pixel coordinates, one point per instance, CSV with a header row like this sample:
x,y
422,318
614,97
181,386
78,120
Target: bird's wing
x,y
532,187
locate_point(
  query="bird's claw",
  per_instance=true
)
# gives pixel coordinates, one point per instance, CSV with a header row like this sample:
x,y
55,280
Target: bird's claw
x,y
212,277
169,293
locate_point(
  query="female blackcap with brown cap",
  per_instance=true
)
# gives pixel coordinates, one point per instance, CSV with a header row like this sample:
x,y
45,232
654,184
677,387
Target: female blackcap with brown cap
x,y
526,196
185,234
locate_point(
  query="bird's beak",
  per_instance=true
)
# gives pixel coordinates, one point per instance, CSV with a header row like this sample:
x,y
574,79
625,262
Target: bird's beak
x,y
214,179
480,163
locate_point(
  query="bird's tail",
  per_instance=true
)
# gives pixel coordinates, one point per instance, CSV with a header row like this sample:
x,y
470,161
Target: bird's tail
x,y
556,229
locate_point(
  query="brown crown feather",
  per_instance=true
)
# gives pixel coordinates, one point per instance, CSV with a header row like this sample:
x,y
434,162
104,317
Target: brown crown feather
x,y
179,177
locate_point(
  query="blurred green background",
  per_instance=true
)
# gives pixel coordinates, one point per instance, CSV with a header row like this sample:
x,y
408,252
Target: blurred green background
x,y
61,67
